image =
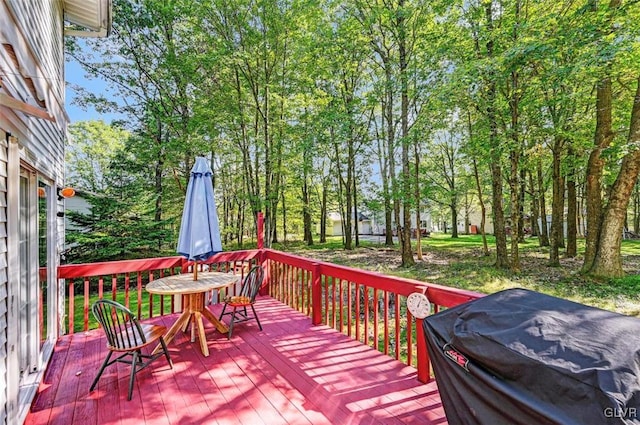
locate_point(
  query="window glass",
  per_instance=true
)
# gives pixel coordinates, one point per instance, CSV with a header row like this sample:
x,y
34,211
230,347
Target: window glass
x,y
44,194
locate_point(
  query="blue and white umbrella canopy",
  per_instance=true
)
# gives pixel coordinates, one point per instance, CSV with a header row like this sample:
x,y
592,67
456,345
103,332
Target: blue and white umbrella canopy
x,y
199,236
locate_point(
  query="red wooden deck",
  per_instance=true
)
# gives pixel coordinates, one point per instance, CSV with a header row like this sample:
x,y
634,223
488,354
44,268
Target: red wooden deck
x,y
289,373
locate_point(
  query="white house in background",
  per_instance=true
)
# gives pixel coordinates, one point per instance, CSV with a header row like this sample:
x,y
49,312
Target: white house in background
x,y
475,218
334,224
33,126
370,224
378,224
78,203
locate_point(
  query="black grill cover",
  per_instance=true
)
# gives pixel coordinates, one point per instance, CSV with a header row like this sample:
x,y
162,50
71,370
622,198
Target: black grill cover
x,y
521,357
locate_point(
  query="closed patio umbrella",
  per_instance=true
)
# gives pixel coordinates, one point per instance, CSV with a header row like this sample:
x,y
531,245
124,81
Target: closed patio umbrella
x,y
199,236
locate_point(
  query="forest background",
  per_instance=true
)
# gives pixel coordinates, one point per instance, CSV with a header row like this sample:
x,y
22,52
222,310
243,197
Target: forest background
x,y
515,108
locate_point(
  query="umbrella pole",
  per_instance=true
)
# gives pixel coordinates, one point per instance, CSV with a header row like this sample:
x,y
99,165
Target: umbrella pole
x,y
195,270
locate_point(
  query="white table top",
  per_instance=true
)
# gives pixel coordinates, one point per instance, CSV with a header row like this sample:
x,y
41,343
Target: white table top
x,y
184,283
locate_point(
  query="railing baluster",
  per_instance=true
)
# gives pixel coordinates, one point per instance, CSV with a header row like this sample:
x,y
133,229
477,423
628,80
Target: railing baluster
x,y
349,304
366,315
314,288
139,292
340,289
386,322
398,330
357,301
376,311
151,297
126,290
295,299
325,280
114,287
71,306
409,339
86,304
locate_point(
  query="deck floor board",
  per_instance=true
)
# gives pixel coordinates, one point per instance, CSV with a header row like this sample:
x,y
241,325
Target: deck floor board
x,y
290,373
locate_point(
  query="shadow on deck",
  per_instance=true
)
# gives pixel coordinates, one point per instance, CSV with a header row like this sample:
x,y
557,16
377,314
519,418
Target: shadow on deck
x,y
290,373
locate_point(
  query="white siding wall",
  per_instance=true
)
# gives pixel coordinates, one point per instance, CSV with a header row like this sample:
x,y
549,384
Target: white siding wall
x,y
42,27
32,30
3,274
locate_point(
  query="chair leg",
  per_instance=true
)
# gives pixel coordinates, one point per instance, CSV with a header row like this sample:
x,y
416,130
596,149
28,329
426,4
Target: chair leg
x,y
222,314
166,351
134,367
233,317
104,365
256,316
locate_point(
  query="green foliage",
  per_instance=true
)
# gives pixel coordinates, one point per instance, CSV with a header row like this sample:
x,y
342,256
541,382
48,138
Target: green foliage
x,y
115,228
286,95
78,307
459,263
89,152
121,222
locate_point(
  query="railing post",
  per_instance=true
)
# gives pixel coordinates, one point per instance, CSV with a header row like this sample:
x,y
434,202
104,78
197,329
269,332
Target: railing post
x,y
316,294
424,362
266,266
260,230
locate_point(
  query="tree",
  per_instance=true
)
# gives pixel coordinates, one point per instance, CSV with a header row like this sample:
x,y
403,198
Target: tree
x,y
120,224
605,217
90,150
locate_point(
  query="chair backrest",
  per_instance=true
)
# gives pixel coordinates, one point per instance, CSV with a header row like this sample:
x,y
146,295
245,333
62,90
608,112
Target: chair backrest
x,y
252,283
119,324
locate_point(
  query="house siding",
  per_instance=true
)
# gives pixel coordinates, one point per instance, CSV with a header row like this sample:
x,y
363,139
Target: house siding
x,y
32,65
3,275
42,28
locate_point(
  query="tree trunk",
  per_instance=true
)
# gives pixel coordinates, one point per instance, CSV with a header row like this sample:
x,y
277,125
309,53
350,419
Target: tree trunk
x,y
514,157
502,258
595,166
557,206
572,210
416,192
323,212
544,230
306,210
390,200
535,207
406,251
483,209
356,230
636,209
284,217
454,219
607,261
521,203
348,218
514,186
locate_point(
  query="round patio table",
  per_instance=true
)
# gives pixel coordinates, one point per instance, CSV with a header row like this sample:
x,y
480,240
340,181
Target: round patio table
x,y
194,309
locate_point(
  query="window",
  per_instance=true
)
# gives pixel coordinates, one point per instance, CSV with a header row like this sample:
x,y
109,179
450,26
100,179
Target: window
x,y
36,295
27,325
46,306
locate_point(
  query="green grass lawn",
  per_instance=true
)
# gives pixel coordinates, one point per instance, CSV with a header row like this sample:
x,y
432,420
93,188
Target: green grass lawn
x,y
78,307
460,263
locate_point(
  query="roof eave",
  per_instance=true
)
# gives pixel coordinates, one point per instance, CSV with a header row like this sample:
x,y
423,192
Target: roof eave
x,y
94,17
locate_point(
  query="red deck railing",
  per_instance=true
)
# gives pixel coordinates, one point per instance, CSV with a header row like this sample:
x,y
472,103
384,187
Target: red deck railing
x,y
125,281
368,306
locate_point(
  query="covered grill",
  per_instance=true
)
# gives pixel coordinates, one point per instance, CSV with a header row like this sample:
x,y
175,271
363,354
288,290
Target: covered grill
x,y
521,357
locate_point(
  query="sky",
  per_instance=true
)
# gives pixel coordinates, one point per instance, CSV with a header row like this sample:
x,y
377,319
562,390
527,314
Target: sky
x,y
75,75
